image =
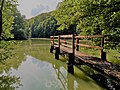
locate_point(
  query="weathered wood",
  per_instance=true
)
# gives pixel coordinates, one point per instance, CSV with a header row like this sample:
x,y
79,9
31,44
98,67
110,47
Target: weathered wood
x,y
54,36
70,43
70,63
102,42
89,46
52,41
66,36
57,52
56,43
66,45
59,41
77,58
95,36
73,44
51,49
103,54
77,46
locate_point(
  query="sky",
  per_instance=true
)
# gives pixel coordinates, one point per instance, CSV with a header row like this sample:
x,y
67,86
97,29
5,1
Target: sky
x,y
31,8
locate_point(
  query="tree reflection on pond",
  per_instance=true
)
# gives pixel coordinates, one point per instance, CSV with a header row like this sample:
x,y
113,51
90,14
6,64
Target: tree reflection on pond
x,y
8,82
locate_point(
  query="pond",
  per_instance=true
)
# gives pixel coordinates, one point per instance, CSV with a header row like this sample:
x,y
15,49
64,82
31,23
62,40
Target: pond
x,y
36,69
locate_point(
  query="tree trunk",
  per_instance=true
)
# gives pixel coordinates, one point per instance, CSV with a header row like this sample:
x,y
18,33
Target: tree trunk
x,y
1,29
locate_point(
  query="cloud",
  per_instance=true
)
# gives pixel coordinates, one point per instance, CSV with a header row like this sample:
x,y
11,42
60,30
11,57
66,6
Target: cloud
x,y
39,9
31,8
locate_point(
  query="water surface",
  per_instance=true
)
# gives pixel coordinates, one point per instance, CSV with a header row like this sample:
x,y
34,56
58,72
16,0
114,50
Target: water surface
x,y
40,71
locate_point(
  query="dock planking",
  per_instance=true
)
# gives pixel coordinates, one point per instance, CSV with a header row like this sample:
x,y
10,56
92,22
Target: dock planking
x,y
99,64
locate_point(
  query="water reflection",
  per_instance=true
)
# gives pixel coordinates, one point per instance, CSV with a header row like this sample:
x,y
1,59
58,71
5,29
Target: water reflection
x,y
8,82
41,75
73,82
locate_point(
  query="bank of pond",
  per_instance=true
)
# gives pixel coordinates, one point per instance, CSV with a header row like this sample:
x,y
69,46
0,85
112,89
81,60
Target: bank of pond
x,y
33,67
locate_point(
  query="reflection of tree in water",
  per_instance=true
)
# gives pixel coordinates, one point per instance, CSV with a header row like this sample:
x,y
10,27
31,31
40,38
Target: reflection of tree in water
x,y
9,82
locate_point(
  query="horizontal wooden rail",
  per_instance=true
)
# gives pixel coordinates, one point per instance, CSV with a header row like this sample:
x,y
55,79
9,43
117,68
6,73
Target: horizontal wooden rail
x,y
56,43
74,42
66,42
89,46
65,36
53,36
66,45
94,36
62,41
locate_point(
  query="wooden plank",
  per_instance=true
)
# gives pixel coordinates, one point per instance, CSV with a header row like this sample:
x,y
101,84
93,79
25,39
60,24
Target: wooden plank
x,y
62,41
54,36
66,45
56,43
59,41
65,49
94,36
66,36
89,46
77,53
67,42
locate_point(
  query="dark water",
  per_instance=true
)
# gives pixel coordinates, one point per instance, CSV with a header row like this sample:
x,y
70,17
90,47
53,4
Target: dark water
x,y
40,71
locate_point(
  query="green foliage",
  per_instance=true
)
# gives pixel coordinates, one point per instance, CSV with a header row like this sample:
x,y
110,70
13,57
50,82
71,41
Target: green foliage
x,y
43,25
20,29
5,50
90,17
9,82
7,20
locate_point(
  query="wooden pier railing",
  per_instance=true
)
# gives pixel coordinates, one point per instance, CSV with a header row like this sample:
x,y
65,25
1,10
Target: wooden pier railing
x,y
73,42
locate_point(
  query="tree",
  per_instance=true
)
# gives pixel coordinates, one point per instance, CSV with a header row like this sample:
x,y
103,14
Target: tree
x,y
91,17
43,25
7,18
20,29
6,21
1,9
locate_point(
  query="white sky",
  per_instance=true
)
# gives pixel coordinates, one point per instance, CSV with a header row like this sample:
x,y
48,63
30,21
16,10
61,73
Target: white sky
x,y
31,8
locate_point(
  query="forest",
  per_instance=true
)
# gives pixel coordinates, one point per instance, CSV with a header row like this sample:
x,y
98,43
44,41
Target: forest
x,y
83,17
27,42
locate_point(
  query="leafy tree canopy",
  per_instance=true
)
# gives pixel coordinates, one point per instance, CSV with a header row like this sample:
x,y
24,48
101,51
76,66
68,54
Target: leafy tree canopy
x,y
90,17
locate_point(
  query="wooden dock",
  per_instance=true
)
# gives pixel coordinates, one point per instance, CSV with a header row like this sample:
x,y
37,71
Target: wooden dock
x,y
70,44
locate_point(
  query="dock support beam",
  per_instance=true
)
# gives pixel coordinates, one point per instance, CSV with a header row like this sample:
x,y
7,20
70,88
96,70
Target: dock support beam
x,y
57,52
51,49
77,46
103,56
70,63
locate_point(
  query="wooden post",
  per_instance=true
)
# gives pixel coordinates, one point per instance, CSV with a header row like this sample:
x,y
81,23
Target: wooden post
x,y
65,40
73,44
59,41
70,63
53,40
102,41
52,44
51,49
71,57
77,42
57,51
103,54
